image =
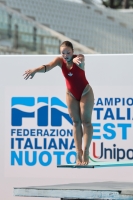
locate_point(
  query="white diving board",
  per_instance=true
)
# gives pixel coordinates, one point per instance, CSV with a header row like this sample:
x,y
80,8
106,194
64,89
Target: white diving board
x,y
94,190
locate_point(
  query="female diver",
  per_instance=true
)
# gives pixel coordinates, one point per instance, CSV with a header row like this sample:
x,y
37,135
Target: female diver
x,y
79,96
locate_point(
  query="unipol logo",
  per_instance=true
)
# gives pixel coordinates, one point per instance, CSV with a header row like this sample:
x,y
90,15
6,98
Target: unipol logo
x,y
39,108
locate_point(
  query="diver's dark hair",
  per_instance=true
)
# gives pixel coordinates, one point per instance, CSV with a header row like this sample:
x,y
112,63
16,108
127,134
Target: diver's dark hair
x,y
67,44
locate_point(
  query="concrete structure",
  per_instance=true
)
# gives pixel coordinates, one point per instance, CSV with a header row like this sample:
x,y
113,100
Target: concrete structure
x,y
21,32
98,190
102,29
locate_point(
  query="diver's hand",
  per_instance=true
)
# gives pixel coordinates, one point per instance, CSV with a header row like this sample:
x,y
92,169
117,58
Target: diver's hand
x,y
30,73
77,60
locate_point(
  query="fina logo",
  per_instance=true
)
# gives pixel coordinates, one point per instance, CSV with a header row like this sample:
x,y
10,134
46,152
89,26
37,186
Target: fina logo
x,y
26,107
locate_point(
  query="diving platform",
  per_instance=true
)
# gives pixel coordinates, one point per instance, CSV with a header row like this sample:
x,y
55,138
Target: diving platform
x,y
92,190
97,164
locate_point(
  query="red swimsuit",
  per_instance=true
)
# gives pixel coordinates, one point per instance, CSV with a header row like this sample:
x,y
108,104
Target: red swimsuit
x,y
75,80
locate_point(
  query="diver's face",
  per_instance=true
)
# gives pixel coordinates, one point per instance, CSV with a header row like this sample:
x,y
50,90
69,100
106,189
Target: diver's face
x,y
66,53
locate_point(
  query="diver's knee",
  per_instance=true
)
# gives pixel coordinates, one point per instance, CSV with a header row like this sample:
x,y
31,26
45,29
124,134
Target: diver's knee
x,y
76,123
86,123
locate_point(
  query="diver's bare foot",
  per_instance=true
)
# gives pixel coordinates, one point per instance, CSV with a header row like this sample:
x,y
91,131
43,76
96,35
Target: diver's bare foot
x,y
79,157
85,157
